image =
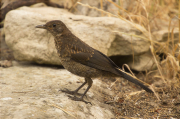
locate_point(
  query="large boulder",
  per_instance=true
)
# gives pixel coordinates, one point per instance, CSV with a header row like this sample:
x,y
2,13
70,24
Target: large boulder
x,y
31,91
162,35
102,33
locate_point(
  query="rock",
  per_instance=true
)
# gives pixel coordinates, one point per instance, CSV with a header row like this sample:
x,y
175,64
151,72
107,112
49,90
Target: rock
x,y
37,45
30,91
144,61
120,43
5,63
104,5
6,55
162,38
162,35
86,11
137,62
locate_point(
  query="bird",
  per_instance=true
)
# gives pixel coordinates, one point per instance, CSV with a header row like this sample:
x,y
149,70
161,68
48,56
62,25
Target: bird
x,y
82,60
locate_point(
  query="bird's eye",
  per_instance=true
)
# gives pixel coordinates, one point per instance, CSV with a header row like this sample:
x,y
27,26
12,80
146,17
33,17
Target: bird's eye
x,y
54,25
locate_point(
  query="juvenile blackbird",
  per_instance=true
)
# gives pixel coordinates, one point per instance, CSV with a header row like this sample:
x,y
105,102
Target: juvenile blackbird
x,y
80,59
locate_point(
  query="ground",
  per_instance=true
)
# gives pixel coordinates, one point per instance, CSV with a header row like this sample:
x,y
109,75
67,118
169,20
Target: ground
x,y
143,105
34,91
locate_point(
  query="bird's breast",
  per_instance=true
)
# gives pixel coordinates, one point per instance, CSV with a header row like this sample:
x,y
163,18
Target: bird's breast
x,y
58,45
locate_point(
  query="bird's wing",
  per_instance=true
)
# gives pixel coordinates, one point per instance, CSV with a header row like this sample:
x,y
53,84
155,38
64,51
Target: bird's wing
x,y
95,59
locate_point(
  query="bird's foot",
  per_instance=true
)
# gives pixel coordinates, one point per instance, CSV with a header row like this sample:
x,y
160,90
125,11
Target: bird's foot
x,y
78,99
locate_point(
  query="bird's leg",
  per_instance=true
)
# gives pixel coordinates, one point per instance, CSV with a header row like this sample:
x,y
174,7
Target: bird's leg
x,y
75,91
89,81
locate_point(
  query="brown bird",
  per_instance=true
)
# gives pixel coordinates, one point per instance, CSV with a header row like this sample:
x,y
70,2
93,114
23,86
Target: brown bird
x,y
80,59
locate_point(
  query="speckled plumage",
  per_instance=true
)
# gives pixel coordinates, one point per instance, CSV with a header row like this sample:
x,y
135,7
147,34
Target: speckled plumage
x,y
82,60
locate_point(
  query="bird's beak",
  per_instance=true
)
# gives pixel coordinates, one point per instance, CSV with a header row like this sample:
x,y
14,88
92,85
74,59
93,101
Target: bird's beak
x,y
41,26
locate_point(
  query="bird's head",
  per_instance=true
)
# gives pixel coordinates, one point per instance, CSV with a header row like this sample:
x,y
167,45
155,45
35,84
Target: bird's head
x,y
55,27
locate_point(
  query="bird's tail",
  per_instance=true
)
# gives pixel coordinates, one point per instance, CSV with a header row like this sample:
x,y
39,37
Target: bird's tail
x,y
134,80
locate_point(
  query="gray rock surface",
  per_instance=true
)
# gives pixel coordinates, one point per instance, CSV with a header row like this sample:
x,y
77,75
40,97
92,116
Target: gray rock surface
x,y
37,45
162,35
31,92
143,62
